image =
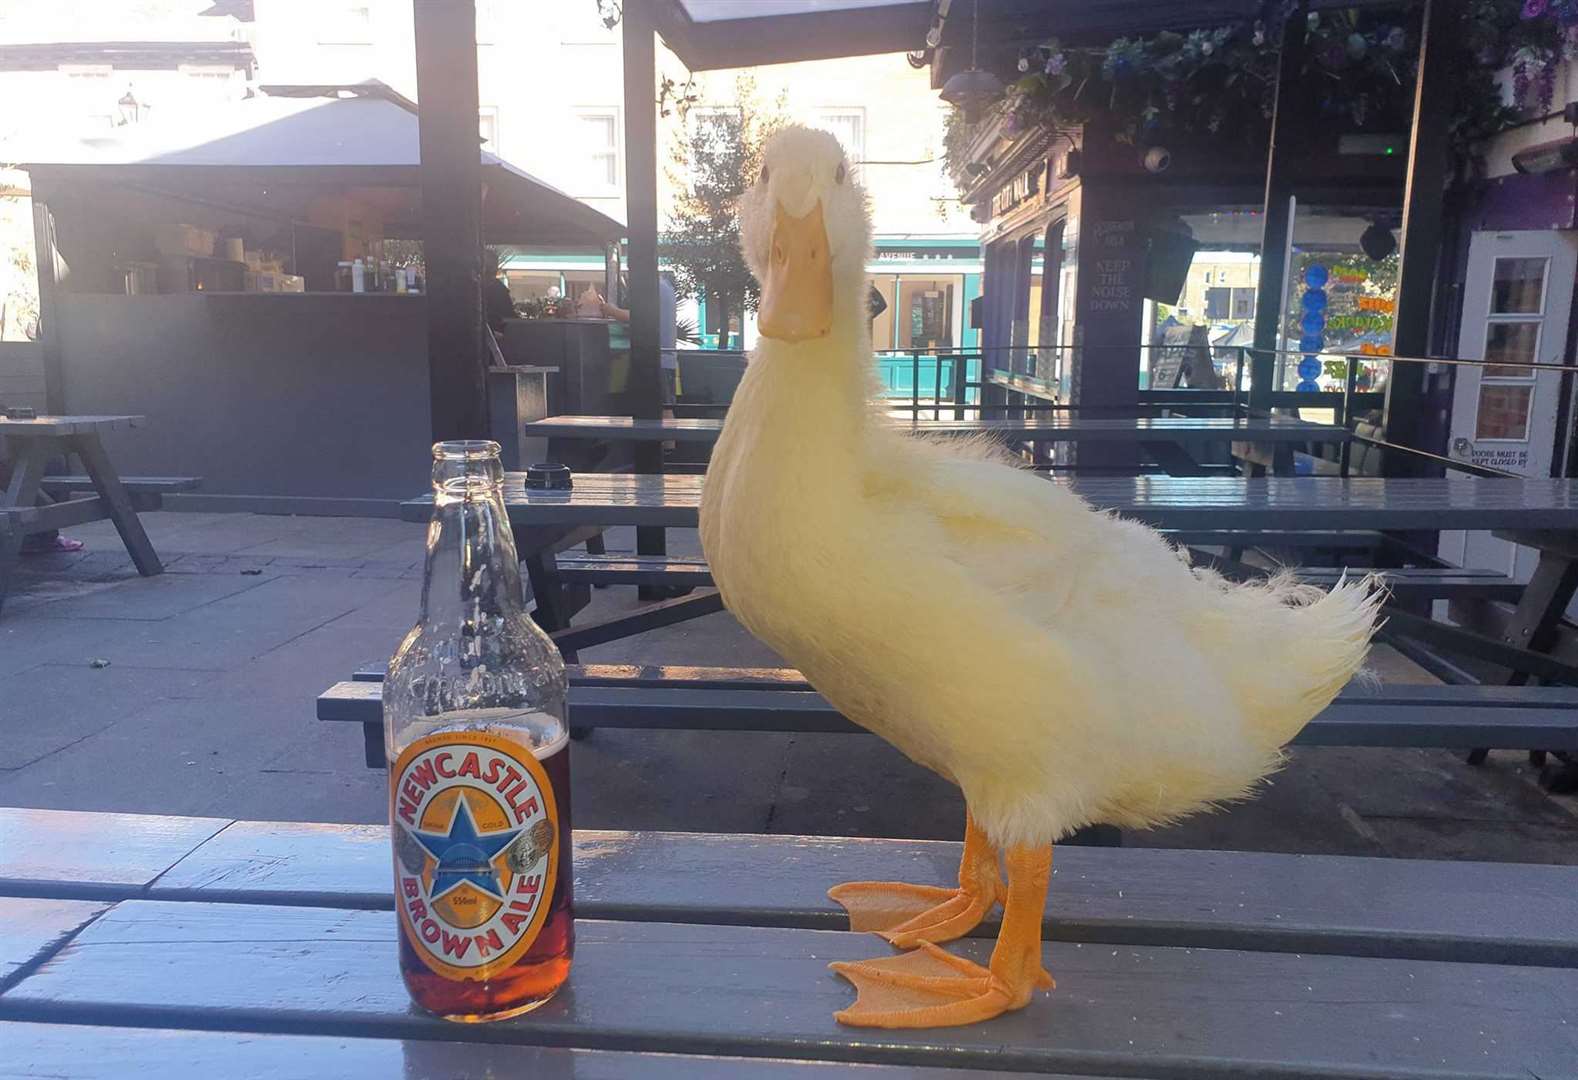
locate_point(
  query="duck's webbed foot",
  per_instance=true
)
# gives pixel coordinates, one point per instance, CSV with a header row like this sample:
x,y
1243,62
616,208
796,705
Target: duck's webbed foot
x,y
930,987
908,915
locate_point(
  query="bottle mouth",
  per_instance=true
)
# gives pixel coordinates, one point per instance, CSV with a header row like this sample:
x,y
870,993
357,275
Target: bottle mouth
x,y
466,450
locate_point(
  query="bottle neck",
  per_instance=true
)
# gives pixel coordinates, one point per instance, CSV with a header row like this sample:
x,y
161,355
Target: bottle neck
x,y
472,584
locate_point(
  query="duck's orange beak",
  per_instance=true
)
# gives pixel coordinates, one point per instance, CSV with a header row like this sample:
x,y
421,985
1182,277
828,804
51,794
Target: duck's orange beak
x,y
797,297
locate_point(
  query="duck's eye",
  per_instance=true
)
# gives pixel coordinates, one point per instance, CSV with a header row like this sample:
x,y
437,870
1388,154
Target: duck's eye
x,y
838,177
764,174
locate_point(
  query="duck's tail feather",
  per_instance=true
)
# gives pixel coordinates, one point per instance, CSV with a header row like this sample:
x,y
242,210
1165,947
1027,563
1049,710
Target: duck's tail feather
x,y
1310,644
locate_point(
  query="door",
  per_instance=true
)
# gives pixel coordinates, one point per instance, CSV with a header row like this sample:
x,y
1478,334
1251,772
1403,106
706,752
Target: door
x,y
1516,299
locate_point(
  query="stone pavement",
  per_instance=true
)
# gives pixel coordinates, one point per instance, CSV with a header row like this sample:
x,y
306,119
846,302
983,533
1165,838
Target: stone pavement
x,y
193,693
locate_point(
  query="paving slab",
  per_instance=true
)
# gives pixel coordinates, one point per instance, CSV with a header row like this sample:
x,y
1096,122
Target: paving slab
x,y
151,598
49,707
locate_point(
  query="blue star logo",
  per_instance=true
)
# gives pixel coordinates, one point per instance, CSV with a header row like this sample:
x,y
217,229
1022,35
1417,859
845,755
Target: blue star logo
x,y
463,855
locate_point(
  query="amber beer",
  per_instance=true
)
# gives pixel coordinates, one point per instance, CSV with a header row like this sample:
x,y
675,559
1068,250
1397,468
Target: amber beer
x,y
479,780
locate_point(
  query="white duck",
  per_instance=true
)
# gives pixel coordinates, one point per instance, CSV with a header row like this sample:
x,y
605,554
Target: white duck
x,y
1063,667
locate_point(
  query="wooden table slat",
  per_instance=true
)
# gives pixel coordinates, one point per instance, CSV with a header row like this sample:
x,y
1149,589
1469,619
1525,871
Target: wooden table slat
x,y
31,929
766,992
1291,503
1291,903
1179,430
48,427
53,1051
93,854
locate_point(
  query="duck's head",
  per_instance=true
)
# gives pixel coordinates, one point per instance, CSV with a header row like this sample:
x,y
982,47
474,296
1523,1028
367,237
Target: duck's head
x,y
805,233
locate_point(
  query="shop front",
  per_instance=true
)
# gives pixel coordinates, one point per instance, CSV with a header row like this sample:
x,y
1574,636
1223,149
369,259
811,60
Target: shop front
x,y
254,286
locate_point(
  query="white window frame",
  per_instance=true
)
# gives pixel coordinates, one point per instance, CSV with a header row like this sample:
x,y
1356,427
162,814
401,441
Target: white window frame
x,y
856,154
584,187
489,112
1488,380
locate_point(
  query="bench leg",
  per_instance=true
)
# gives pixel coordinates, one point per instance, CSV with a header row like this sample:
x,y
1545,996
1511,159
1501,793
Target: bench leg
x,y
1539,612
10,549
551,612
108,484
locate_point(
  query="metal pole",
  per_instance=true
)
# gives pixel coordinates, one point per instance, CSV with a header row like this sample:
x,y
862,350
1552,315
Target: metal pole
x,y
1406,415
451,178
1278,226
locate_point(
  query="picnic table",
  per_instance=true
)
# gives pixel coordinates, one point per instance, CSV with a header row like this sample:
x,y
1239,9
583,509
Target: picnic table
x,y
1168,439
31,445
1541,513
138,945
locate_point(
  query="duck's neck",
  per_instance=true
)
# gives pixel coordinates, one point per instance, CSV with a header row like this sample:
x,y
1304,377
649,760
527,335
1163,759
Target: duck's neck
x,y
828,382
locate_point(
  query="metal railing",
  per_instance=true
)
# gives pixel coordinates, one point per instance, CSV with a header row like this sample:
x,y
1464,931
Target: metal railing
x,y
962,383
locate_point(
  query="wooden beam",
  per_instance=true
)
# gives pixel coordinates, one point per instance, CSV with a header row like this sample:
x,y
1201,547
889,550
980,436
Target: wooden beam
x,y
48,320
451,179
641,211
1275,234
1407,415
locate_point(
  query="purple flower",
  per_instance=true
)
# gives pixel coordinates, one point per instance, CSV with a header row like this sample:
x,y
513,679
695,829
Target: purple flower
x,y
1056,63
1396,40
1533,9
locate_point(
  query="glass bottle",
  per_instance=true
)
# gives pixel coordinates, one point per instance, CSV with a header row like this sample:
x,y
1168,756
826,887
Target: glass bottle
x,y
479,779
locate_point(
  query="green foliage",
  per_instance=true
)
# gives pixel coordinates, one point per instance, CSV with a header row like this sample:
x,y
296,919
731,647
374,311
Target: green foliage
x,y
1358,75
716,157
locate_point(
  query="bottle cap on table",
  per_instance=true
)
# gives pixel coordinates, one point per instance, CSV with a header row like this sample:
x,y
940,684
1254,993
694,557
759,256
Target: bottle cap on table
x,y
548,476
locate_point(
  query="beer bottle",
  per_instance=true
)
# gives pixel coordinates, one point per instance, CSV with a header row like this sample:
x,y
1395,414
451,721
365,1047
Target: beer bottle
x,y
479,775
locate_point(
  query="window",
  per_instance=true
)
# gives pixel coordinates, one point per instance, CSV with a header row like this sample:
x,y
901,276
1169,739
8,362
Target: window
x,y
488,128
597,142
849,127
1218,302
346,24
1243,303
1512,333
716,119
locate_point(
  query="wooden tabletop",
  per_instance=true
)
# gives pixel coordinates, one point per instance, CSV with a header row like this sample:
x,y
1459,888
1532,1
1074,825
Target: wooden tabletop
x,y
1226,502
705,956
56,426
1184,430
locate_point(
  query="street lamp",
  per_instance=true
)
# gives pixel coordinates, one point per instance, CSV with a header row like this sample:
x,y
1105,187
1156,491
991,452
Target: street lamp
x,y
129,108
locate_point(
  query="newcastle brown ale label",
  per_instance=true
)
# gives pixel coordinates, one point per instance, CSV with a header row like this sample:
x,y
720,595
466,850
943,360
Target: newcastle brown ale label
x,y
476,832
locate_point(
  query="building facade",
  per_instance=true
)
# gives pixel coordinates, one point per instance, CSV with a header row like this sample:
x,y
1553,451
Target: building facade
x,y
550,91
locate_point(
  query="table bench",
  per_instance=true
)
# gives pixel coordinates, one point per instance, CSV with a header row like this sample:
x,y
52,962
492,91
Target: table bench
x,y
31,445
713,949
712,699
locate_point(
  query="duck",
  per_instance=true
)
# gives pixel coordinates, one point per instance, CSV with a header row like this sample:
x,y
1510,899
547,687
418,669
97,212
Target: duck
x,y
1062,666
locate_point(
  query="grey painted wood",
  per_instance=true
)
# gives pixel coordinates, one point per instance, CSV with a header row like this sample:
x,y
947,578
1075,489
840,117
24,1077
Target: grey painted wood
x,y
117,504
31,929
74,853
766,992
1287,903
1214,502
1405,583
56,1051
1431,720
135,485
1176,430
54,427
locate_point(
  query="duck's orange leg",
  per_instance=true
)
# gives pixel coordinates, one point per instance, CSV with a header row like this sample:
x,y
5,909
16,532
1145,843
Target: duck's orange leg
x,y
909,914
933,988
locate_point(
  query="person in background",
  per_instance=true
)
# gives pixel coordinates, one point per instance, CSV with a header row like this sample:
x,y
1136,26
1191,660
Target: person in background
x,y
49,542
497,304
591,299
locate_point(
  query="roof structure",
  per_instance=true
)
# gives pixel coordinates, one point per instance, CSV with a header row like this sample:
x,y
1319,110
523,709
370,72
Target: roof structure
x,y
275,153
